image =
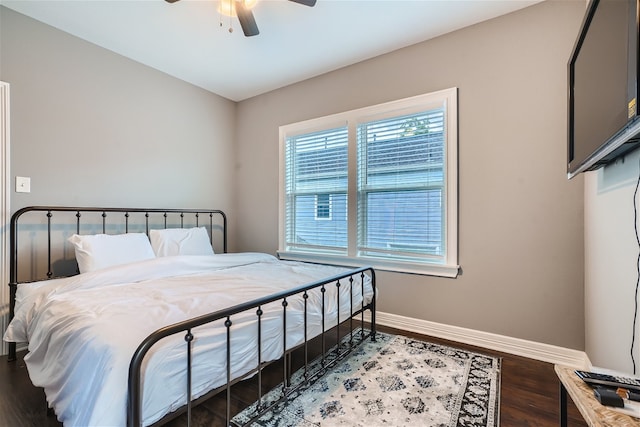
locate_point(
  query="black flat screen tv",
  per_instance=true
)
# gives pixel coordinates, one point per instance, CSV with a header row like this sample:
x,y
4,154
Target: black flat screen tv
x,y
603,86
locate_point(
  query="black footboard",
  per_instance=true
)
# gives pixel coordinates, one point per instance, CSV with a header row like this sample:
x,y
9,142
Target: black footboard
x,y
185,329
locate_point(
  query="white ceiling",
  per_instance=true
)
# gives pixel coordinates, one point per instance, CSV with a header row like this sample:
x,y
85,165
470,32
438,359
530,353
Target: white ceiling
x,y
191,41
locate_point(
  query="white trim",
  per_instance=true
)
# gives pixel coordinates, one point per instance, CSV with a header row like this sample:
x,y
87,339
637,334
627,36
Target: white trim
x,y
519,347
451,191
5,212
441,270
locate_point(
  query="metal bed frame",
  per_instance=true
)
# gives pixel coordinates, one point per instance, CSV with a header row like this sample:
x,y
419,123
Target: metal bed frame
x,y
343,345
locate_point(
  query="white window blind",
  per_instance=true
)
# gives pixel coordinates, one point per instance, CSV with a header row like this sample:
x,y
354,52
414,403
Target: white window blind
x,y
374,186
400,186
316,190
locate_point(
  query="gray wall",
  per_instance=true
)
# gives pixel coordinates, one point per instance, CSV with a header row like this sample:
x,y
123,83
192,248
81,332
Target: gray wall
x,y
91,127
521,220
611,262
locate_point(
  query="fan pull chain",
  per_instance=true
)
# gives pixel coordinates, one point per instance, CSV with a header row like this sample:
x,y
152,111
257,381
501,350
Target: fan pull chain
x,y
229,13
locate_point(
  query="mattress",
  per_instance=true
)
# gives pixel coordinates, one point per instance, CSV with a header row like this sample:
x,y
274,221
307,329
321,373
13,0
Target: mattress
x,y
83,330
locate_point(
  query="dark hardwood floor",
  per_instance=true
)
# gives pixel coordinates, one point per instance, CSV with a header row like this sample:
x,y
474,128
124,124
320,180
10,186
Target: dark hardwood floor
x,y
529,393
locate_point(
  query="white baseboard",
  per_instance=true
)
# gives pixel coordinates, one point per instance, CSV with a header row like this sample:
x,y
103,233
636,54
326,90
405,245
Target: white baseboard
x,y
519,347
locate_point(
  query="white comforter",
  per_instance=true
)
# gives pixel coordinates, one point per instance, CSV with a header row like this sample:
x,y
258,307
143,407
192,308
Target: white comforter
x,y
83,330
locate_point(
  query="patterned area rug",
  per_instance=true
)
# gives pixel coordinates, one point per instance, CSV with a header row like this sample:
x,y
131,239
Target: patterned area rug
x,y
395,381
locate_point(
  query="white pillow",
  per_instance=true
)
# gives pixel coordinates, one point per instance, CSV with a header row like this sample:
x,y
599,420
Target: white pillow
x,y
97,251
180,241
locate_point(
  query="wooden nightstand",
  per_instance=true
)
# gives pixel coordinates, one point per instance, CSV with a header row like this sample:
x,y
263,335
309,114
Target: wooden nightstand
x,y
591,410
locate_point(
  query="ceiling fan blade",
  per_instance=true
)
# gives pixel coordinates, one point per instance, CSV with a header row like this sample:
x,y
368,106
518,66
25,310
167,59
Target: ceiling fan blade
x,y
309,3
247,21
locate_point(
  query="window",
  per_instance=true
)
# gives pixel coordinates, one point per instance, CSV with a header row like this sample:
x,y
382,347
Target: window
x,y
323,206
374,186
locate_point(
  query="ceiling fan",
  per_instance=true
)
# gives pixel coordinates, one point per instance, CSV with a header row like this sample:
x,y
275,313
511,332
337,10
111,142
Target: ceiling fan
x,y
242,9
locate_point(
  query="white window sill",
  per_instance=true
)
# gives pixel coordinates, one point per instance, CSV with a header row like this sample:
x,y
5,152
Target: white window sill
x,y
441,270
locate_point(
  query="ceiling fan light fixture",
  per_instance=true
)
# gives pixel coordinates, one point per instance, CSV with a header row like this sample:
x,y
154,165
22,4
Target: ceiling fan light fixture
x,y
249,4
242,10
228,7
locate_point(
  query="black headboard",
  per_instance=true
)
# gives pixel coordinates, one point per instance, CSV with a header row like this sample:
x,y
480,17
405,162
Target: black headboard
x,y
48,227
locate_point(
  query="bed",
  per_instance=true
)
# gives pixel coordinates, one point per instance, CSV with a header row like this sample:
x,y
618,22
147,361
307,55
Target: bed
x,y
161,316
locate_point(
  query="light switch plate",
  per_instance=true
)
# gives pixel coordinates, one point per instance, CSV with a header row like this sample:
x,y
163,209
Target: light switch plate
x,y
23,184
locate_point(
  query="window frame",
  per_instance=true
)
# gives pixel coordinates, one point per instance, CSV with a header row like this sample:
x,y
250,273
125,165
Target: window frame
x,y
446,99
